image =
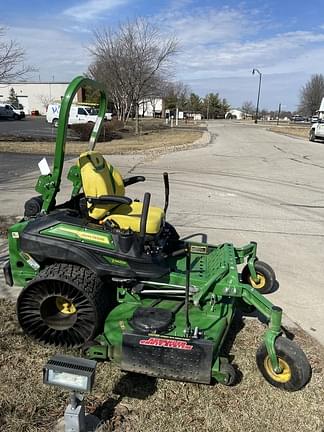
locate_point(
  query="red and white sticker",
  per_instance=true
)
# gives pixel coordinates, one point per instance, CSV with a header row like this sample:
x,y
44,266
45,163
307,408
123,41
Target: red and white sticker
x,y
166,343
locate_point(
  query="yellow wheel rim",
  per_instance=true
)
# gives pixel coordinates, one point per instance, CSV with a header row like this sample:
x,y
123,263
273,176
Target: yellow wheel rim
x,y
284,376
64,306
260,283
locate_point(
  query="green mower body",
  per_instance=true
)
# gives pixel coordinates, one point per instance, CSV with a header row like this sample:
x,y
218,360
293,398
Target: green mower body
x,y
153,303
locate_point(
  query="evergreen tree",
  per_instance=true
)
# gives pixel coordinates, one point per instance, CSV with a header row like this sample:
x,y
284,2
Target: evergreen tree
x,y
13,99
214,107
194,103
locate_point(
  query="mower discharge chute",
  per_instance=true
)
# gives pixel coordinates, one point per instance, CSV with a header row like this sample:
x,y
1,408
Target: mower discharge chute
x,y
108,274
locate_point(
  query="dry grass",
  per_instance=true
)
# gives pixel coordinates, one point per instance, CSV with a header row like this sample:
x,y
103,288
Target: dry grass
x,y
298,131
133,403
165,139
5,223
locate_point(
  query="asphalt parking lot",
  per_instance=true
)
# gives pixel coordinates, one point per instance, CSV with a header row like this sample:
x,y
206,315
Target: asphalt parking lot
x,y
30,127
15,165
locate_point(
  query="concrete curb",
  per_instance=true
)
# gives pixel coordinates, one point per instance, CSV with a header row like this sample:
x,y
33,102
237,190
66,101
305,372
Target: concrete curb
x,y
203,141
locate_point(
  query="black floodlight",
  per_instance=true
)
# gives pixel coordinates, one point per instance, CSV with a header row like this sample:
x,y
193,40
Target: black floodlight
x,y
73,373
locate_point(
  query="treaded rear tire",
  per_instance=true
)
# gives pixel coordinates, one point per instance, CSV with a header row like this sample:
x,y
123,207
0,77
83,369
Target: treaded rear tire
x,y
42,319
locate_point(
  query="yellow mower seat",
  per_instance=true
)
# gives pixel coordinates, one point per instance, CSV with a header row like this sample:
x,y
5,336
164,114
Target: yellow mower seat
x,y
100,178
129,216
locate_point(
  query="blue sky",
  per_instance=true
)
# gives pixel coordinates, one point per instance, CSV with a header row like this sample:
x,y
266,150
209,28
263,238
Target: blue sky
x,y
220,41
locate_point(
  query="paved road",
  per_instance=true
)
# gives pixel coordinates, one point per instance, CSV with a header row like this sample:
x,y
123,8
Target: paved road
x,y
252,184
14,165
248,184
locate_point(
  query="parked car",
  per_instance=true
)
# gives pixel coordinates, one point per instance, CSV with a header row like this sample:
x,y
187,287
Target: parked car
x,y
298,118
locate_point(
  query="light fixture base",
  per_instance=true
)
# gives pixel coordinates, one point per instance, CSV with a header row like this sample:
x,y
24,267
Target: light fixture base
x,y
75,420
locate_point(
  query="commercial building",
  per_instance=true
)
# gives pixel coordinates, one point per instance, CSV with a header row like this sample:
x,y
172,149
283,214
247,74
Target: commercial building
x,y
36,96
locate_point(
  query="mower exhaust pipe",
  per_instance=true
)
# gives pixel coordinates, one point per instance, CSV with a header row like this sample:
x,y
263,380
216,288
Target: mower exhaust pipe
x,y
166,191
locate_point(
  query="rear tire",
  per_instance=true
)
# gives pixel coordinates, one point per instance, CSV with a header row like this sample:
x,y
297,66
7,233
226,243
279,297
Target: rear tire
x,y
65,305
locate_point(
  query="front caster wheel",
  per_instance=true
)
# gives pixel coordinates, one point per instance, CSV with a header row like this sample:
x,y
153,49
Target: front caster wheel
x,y
265,274
296,371
229,370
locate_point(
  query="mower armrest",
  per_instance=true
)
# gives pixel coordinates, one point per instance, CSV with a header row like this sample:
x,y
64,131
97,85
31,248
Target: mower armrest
x,y
110,199
131,180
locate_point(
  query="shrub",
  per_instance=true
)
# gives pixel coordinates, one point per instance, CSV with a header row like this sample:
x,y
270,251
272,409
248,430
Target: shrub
x,y
108,131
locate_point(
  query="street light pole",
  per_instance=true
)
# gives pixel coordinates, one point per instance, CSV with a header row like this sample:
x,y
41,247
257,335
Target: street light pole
x,y
279,111
257,107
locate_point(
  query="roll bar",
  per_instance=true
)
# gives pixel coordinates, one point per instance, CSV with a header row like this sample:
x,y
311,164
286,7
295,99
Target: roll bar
x,y
48,185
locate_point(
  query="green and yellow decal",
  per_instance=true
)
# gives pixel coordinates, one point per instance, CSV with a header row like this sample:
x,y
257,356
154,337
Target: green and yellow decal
x,y
80,234
116,261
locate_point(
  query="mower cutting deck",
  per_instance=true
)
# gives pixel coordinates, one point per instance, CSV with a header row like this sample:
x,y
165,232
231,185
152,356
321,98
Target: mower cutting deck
x,y
108,274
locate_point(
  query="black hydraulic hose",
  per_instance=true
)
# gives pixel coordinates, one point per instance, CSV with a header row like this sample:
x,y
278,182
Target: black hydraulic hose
x,y
145,210
166,191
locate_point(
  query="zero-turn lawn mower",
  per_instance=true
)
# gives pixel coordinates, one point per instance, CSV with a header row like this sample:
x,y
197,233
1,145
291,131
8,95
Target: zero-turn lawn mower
x,y
107,273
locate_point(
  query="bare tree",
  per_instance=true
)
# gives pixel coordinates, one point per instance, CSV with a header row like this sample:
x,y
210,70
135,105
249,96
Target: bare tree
x,y
46,100
248,107
130,61
311,95
12,58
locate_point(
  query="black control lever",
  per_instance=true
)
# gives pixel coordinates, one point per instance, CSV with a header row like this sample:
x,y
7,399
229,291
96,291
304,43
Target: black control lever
x,y
145,210
166,191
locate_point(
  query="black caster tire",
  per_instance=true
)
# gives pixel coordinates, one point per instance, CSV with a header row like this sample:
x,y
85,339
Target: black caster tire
x,y
229,369
65,305
266,277
296,371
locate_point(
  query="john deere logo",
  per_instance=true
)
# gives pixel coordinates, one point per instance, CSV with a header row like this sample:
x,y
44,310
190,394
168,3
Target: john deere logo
x,y
74,233
86,235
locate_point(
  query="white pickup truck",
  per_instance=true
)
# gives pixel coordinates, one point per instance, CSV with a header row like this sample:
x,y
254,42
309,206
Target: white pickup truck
x,y
317,128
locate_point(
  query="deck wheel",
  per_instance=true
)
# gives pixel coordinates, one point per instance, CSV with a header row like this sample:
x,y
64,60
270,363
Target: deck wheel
x,y
295,369
265,274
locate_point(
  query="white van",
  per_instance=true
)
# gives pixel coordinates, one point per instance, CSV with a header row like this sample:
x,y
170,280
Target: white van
x,y
18,110
9,112
78,114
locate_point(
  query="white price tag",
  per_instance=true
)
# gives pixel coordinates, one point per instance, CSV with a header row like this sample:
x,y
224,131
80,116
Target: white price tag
x,y
43,167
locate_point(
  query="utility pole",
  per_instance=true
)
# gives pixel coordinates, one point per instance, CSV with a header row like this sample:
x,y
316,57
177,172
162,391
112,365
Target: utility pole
x,y
258,100
279,111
